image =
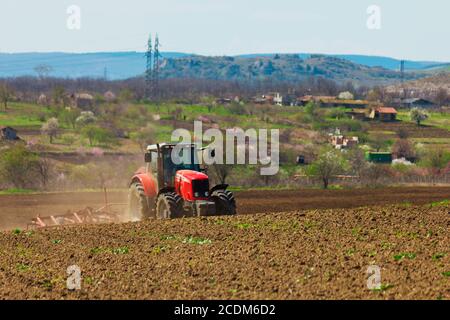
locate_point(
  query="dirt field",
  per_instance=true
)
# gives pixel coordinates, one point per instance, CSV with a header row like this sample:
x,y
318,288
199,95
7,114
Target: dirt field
x,y
17,210
424,131
322,254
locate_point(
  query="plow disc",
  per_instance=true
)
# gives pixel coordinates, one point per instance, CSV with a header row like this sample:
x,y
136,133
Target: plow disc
x,y
87,215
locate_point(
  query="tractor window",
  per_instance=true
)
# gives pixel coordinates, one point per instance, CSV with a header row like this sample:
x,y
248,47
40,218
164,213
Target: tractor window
x,y
154,162
171,168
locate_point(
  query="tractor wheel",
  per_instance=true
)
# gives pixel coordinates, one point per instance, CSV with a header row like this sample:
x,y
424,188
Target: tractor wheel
x,y
138,206
169,206
225,203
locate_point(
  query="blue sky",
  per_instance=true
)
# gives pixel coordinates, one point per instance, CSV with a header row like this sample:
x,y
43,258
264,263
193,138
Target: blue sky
x,y
411,29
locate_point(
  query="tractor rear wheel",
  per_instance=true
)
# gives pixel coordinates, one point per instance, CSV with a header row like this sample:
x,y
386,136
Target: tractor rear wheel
x,y
169,206
225,202
139,207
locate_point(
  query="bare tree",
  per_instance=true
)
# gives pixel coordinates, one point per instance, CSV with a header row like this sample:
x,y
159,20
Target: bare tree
x,y
221,172
442,97
43,70
43,169
6,94
403,149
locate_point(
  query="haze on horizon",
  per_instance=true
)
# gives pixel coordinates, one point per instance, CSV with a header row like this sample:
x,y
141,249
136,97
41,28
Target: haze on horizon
x,y
410,30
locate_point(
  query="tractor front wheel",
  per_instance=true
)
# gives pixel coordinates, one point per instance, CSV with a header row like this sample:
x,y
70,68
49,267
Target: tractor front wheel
x,y
139,207
169,206
225,202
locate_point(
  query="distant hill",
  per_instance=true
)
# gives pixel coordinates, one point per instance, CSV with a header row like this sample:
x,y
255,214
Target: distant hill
x,y
371,61
277,67
121,65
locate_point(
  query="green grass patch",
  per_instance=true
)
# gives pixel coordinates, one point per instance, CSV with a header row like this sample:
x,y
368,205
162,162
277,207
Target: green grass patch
x,y
438,256
383,287
13,191
243,226
117,251
197,240
401,256
22,267
444,203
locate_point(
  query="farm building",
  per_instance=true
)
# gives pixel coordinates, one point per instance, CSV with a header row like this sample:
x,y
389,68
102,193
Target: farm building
x,y
8,133
383,114
414,103
379,157
341,142
84,101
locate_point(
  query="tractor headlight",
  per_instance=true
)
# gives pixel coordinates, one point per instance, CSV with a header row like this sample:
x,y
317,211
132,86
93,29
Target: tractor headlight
x,y
196,194
206,193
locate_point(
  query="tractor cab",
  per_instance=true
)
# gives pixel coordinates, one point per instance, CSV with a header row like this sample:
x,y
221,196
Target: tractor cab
x,y
164,162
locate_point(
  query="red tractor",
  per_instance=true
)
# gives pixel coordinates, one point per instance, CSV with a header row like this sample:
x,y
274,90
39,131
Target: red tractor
x,y
165,189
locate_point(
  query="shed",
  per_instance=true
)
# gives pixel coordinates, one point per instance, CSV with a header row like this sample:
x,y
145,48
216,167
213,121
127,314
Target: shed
x,y
383,114
379,157
8,133
84,101
415,103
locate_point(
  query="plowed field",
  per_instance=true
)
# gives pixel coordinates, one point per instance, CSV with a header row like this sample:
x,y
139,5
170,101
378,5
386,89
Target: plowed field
x,y
321,254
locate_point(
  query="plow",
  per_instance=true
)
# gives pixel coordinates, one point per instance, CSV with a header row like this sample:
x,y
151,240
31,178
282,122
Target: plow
x,y
106,214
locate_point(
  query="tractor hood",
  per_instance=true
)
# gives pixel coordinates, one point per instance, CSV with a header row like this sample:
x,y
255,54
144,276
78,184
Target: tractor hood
x,y
190,175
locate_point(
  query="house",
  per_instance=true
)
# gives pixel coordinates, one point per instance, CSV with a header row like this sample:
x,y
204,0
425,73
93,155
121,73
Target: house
x,y
223,101
84,101
342,142
278,99
414,103
270,98
290,100
384,114
8,133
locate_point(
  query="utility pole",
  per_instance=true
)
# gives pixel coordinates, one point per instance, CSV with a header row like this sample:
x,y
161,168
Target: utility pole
x,y
149,69
402,75
402,70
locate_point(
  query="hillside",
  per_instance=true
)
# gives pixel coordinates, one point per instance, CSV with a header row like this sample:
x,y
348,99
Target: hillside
x,y
426,85
277,67
122,65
